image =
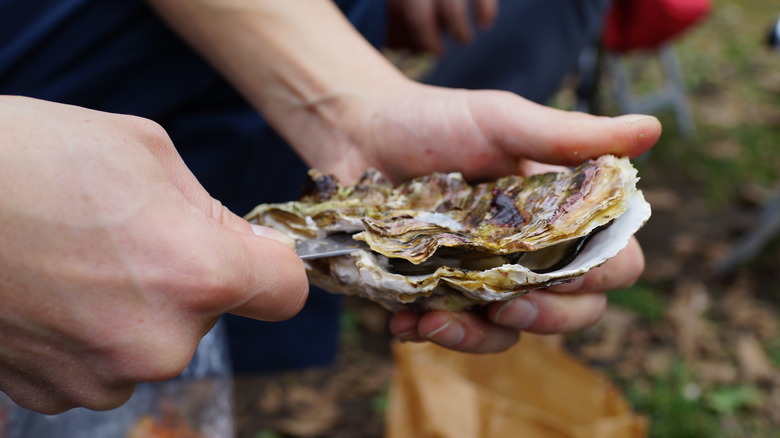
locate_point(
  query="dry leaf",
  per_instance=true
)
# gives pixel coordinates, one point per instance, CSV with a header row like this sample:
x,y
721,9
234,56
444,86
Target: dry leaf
x,y
743,311
309,412
662,199
716,371
696,336
754,363
657,362
613,329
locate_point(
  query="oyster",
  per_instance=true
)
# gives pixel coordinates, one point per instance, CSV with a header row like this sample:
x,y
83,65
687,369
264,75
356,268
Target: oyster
x,y
437,242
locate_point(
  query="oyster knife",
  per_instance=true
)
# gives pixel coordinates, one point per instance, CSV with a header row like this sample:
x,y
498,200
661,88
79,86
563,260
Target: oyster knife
x,y
330,246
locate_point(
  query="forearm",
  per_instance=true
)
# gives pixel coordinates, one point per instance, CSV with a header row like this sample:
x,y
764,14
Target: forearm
x,y
299,62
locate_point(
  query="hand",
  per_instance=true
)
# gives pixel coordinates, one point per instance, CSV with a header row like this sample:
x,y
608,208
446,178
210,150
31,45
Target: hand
x,y
114,261
406,129
488,135
420,24
560,309
344,108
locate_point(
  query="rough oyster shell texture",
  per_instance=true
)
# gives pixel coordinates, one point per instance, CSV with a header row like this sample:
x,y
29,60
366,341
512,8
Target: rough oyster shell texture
x,y
437,242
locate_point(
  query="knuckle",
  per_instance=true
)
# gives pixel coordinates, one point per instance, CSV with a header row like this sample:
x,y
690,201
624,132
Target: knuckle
x,y
171,355
46,407
32,398
209,276
152,132
159,361
598,307
158,350
206,280
54,398
102,397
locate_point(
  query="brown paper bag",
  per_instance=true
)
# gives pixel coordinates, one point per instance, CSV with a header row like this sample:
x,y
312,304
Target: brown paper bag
x,y
533,390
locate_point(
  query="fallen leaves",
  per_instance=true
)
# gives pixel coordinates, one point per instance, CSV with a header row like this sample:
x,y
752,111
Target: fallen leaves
x,y
337,401
687,312
753,361
299,410
720,336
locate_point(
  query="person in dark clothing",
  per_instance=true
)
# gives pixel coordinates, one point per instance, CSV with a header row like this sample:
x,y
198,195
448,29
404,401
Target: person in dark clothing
x,y
116,256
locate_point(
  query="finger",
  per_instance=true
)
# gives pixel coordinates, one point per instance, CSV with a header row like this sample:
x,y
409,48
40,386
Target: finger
x,y
526,129
455,14
466,331
270,233
486,12
518,313
403,325
209,268
268,279
564,313
619,272
528,168
422,19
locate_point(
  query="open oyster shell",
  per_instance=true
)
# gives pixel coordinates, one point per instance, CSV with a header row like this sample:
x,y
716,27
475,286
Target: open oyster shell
x,y
437,242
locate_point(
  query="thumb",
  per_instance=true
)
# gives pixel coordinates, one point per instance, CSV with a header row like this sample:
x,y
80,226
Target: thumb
x,y
529,130
272,283
279,286
260,276
232,271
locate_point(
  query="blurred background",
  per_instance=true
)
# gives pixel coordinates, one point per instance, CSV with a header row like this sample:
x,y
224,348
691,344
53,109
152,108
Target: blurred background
x,y
695,345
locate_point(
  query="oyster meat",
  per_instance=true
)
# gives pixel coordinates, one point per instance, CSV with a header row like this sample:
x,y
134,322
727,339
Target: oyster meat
x,y
437,242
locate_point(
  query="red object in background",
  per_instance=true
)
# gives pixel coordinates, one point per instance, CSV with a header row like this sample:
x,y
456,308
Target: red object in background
x,y
647,24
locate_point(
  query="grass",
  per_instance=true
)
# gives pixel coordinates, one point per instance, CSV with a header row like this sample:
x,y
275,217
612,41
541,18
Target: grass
x,y
674,403
679,407
643,299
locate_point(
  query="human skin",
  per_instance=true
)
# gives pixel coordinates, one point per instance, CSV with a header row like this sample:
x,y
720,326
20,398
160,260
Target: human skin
x,y
114,261
343,107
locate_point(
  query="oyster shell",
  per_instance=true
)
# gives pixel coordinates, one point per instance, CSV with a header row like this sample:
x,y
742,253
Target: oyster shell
x,y
437,242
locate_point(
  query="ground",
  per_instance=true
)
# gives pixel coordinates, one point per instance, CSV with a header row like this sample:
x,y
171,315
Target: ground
x,y
695,349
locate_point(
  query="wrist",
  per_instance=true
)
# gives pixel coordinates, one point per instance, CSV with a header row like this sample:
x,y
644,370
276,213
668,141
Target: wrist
x,y
300,63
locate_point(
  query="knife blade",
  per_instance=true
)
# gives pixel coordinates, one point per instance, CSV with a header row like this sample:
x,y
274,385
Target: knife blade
x,y
330,246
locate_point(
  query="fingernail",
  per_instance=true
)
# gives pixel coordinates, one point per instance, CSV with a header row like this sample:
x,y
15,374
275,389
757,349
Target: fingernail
x,y
449,334
270,233
632,119
569,286
518,313
409,336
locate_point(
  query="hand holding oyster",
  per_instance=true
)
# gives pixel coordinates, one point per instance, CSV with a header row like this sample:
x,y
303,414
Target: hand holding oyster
x,y
437,242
